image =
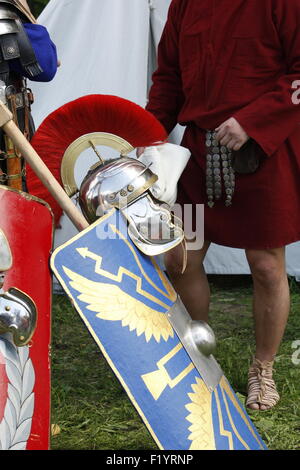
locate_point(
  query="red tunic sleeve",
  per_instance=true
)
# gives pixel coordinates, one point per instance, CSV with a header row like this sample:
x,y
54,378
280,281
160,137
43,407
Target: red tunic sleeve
x,y
166,96
274,116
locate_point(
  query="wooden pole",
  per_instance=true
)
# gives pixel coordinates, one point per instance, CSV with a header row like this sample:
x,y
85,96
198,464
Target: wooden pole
x,y
40,169
25,9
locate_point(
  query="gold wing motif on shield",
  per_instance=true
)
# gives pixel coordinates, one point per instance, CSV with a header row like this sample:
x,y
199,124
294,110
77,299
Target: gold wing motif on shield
x,y
125,308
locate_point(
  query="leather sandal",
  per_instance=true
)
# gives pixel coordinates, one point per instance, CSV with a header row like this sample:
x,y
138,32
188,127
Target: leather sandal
x,y
261,386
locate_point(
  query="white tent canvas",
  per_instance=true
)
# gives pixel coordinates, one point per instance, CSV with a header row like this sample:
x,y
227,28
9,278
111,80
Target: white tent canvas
x,y
109,47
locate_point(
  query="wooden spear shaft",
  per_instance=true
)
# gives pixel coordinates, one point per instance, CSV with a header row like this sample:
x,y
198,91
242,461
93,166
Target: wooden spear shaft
x,y
24,7
40,169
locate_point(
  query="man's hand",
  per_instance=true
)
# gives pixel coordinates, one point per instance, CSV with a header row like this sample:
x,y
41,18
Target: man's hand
x,y
231,134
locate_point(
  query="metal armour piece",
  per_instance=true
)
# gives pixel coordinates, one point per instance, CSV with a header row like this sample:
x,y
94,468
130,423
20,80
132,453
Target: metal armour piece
x,y
8,24
199,341
14,41
151,227
11,6
18,315
203,337
123,183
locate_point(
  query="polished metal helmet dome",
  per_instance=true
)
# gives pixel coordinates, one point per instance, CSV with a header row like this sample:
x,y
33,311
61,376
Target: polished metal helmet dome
x,y
113,183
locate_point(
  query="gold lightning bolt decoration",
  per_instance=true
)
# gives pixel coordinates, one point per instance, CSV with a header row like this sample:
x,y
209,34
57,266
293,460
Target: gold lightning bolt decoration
x,y
85,253
112,304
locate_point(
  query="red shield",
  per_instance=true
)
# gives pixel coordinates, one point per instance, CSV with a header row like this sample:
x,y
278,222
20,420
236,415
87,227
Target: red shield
x,y
28,226
3,386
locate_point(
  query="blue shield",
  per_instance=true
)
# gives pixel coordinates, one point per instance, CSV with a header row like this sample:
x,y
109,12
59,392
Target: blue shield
x,y
123,297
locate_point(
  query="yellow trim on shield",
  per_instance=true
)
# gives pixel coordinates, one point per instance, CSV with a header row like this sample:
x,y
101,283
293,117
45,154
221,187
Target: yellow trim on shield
x,y
225,385
223,431
231,421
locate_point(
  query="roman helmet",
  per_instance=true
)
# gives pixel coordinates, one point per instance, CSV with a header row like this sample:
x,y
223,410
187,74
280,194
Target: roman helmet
x,y
123,183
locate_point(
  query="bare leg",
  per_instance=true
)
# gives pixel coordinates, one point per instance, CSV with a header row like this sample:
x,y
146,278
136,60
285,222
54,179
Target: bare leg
x,y
192,286
271,301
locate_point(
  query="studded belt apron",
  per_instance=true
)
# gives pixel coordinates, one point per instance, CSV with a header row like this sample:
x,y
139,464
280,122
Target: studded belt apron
x,y
219,172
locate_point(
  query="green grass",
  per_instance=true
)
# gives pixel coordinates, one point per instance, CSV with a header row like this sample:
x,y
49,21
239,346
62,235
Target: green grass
x,y
93,412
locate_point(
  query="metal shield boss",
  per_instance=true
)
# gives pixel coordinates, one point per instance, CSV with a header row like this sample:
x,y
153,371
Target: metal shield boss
x,y
26,232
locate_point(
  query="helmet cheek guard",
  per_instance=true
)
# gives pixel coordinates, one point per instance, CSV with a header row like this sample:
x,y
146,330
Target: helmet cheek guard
x,y
151,226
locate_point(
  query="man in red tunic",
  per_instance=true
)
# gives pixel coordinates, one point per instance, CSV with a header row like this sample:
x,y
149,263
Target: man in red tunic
x,y
231,67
